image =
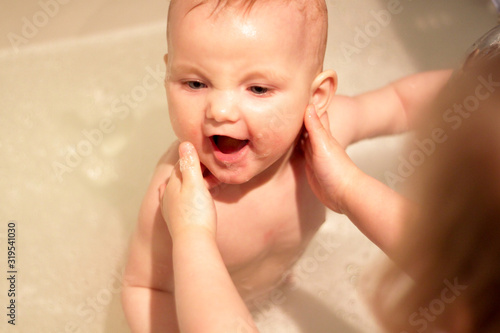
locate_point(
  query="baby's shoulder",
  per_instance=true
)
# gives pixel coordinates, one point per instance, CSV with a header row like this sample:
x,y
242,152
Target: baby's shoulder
x,y
162,172
168,159
165,164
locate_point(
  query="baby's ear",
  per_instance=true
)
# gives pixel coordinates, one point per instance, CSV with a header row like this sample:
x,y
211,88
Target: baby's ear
x,y
323,90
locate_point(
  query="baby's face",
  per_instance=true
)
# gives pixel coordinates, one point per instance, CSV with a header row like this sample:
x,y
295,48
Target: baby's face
x,y
238,85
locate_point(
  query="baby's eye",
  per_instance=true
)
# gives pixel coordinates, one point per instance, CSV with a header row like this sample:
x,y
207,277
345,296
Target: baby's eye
x,y
257,90
195,85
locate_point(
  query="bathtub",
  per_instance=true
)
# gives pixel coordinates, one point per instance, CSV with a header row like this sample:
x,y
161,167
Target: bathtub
x,y
83,120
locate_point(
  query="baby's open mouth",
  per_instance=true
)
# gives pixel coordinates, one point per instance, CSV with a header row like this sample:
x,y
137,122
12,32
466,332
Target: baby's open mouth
x,y
228,145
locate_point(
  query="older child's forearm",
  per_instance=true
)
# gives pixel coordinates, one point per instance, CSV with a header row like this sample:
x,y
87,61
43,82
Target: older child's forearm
x,y
371,205
149,310
206,298
396,107
376,210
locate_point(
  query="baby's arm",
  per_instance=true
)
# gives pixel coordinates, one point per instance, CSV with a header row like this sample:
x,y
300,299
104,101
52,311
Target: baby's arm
x,y
147,299
206,298
389,110
372,206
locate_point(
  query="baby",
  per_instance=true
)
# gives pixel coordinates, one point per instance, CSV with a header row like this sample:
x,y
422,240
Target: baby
x,y
240,75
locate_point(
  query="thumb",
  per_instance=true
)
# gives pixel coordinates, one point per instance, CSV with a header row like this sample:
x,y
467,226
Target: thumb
x,y
317,133
190,165
325,121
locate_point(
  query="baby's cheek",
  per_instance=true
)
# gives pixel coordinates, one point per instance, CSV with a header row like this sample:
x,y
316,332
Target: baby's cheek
x,y
275,120
271,145
180,123
191,134
176,126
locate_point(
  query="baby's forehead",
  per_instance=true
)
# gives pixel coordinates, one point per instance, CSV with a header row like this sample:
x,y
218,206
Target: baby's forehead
x,y
308,14
303,20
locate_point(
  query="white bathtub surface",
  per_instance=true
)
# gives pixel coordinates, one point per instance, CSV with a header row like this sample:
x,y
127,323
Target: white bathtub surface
x,y
83,121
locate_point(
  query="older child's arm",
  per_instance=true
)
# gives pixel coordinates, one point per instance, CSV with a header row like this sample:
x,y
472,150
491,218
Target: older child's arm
x,y
206,298
372,206
147,293
389,110
148,305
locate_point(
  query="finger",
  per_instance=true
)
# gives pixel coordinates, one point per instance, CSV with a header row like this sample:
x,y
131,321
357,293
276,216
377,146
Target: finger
x,y
161,190
306,146
325,121
318,136
311,120
190,165
170,187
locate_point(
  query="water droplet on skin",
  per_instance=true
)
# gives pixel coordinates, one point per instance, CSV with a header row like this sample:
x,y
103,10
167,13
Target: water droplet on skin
x,y
323,294
352,269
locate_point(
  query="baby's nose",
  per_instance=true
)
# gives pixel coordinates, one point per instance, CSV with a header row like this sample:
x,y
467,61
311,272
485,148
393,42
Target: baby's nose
x,y
222,107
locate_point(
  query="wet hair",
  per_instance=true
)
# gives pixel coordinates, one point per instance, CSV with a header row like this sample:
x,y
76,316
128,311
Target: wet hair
x,y
453,239
314,11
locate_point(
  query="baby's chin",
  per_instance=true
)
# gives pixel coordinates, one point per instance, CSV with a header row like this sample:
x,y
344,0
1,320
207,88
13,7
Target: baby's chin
x,y
210,180
213,181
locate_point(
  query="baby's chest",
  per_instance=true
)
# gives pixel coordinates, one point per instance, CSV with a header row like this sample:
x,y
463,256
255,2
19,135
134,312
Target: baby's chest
x,y
266,225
